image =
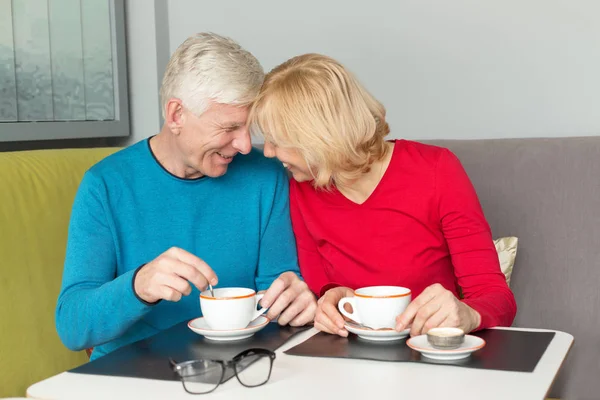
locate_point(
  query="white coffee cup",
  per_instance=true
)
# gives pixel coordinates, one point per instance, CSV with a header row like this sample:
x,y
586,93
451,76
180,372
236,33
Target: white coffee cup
x,y
376,306
230,308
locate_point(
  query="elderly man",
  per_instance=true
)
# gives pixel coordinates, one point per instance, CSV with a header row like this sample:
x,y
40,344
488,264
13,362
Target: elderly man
x,y
155,223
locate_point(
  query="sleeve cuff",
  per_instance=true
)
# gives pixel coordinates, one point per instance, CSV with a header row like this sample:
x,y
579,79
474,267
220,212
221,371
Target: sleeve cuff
x,y
135,293
486,318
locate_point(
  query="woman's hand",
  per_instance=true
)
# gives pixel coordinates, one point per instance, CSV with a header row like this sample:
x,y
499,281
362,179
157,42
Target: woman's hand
x,y
290,301
437,307
328,318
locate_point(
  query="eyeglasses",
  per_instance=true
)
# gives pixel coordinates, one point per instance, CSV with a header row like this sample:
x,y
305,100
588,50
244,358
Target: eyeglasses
x,y
204,376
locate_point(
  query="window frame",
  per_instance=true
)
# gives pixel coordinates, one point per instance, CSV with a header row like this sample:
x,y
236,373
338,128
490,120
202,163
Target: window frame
x,y
12,131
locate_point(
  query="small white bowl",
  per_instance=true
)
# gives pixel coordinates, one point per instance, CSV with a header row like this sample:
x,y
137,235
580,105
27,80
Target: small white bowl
x,y
446,338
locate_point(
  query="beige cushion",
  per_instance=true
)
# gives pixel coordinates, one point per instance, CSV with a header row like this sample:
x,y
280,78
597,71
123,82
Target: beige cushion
x,y
506,247
507,253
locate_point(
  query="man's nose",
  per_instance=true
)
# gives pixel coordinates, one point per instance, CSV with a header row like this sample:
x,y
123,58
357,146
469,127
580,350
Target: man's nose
x,y
242,142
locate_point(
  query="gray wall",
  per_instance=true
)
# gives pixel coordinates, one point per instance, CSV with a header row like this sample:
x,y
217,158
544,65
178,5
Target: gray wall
x,y
147,50
444,69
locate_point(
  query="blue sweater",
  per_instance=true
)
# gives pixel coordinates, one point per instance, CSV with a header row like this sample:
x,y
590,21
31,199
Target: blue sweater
x,y
129,209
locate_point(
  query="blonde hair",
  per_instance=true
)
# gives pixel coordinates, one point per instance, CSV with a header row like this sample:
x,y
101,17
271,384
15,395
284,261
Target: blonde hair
x,y
209,67
313,104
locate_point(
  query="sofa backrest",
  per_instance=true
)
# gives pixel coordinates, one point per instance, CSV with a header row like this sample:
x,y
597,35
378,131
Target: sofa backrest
x,y
547,193
37,189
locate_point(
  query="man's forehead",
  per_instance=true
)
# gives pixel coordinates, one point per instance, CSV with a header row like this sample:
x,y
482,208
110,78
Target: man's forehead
x,y
229,115
231,121
236,124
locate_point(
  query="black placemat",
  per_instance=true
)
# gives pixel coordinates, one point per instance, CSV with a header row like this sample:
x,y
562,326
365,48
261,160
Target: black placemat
x,y
149,358
504,350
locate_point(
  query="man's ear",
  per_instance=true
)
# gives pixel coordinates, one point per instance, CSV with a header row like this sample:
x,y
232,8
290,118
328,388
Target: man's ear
x,y
174,117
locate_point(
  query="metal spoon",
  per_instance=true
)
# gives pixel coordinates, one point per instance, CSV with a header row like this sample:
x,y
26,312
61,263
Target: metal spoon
x,y
212,293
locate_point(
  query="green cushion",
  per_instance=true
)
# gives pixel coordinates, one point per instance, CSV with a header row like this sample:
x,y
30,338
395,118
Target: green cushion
x,y
36,194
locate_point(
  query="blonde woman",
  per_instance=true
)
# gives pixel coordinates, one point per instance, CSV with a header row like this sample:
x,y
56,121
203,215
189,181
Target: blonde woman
x,y
366,211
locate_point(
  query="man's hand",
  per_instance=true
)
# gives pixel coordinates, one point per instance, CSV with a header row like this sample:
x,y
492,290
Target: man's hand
x,y
168,276
290,299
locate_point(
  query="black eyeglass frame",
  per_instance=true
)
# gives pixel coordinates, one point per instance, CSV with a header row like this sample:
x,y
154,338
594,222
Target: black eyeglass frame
x,y
177,367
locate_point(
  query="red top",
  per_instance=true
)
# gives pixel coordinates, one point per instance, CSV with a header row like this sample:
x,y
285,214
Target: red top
x,y
422,224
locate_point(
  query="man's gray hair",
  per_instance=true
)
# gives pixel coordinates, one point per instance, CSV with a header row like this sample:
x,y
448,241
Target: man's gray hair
x,y
209,67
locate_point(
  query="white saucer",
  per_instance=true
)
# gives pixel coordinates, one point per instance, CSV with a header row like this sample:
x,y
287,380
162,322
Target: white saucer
x,y
470,345
200,326
376,335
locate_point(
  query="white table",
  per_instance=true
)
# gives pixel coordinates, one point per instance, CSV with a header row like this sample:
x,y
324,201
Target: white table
x,y
303,378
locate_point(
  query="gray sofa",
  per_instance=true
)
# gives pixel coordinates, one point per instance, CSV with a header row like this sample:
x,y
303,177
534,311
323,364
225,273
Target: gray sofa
x,y
547,193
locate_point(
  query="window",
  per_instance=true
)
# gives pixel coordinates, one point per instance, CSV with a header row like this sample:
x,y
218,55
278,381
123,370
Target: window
x,y
62,69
